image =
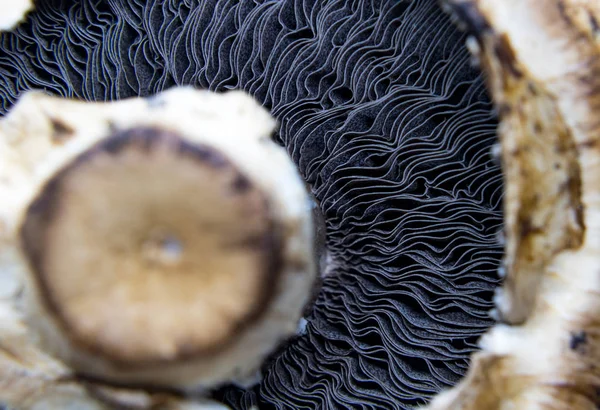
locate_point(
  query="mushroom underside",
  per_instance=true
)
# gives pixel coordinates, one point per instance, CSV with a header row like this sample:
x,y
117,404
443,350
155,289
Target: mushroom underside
x,y
389,124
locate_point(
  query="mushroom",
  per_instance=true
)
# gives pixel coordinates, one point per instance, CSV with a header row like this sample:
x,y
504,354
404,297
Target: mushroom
x,y
165,242
545,89
13,12
386,121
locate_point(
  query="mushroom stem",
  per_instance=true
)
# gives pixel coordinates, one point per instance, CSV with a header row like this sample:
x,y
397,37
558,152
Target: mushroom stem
x,y
542,64
165,242
13,12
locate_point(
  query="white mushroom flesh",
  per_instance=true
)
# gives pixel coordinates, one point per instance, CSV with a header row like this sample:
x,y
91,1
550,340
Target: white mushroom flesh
x,y
13,12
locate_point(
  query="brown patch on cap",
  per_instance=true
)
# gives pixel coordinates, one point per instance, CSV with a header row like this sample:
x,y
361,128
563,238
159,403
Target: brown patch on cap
x,y
144,254
506,57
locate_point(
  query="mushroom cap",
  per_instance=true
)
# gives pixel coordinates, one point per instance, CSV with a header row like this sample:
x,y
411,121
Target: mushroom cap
x,y
167,242
542,65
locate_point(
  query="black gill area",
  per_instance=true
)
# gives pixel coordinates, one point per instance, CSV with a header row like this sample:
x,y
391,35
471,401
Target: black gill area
x,y
389,124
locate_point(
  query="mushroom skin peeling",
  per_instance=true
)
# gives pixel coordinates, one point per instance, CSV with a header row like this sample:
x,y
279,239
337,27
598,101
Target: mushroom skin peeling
x,y
164,242
542,62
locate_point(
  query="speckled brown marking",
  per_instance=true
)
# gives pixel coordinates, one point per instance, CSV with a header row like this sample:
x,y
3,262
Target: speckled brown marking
x,y
578,340
61,132
506,57
594,24
556,190
240,184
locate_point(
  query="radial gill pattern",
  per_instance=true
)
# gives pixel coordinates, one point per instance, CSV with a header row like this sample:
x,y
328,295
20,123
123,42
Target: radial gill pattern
x,y
389,124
